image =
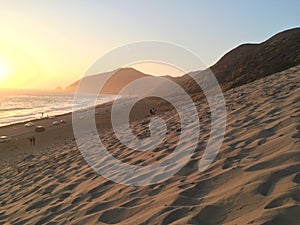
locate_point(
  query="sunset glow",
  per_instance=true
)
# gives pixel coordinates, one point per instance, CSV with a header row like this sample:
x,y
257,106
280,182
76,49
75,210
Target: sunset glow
x,y
3,71
157,68
17,68
53,43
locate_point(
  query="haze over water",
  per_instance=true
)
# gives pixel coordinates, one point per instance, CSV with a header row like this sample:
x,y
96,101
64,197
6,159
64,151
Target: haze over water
x,y
23,105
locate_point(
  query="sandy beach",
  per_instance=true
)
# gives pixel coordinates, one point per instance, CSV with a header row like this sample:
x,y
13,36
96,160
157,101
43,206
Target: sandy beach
x,y
254,179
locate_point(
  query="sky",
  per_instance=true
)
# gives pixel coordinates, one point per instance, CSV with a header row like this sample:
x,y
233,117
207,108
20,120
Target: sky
x,y
45,44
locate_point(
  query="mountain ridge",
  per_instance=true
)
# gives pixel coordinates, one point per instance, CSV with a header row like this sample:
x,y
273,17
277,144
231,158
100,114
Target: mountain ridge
x,y
243,64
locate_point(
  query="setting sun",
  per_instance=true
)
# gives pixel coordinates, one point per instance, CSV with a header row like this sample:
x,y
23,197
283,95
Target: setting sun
x,y
18,69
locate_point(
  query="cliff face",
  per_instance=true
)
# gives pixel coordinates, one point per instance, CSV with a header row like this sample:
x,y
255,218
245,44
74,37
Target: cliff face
x,y
241,65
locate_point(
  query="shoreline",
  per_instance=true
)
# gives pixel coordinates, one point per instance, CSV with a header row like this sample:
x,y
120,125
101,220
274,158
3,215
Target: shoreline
x,y
34,115
52,118
19,147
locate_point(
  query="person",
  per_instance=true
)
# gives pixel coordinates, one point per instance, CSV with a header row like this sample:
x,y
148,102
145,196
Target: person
x,y
33,140
30,139
42,114
152,111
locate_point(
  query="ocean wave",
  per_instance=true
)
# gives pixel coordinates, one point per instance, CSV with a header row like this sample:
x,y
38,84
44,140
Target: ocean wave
x,y
14,109
20,108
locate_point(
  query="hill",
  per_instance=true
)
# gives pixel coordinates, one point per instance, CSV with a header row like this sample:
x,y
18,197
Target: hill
x,y
244,64
120,78
249,62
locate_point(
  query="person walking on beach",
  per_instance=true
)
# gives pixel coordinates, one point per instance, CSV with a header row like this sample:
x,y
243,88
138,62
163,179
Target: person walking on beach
x,y
32,140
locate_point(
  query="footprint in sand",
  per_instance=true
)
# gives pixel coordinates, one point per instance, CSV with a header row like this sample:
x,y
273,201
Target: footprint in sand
x,y
286,216
297,134
185,201
291,195
133,202
175,215
297,178
116,215
266,188
210,215
38,204
200,190
100,206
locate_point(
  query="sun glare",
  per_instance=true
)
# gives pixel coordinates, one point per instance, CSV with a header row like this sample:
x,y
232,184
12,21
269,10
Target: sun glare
x,y
3,71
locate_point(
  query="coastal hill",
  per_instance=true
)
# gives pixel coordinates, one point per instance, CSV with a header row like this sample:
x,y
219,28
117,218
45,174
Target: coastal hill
x,y
244,64
119,79
249,62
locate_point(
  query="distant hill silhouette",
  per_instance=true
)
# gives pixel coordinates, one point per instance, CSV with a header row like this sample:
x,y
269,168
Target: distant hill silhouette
x,y
241,65
58,89
119,78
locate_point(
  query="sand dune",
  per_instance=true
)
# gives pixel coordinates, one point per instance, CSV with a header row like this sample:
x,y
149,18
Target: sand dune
x,y
254,179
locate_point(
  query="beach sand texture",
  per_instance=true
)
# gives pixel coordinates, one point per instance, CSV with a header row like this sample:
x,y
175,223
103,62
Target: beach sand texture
x,y
254,179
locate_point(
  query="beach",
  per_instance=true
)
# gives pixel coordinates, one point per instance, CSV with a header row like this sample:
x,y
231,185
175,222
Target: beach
x,y
253,180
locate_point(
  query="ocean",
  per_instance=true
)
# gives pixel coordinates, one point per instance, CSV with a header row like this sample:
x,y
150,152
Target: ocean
x,y
23,105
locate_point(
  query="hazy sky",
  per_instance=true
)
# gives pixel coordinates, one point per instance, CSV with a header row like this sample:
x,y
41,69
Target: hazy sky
x,y
44,44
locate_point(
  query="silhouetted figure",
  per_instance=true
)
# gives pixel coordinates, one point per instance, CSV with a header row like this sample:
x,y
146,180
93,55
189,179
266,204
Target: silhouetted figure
x,y
33,140
30,139
152,111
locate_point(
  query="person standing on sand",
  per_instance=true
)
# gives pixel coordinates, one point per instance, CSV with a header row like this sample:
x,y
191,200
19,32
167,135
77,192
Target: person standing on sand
x,y
30,139
33,140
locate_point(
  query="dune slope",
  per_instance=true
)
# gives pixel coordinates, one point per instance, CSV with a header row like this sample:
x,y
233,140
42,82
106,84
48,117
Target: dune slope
x,y
254,179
